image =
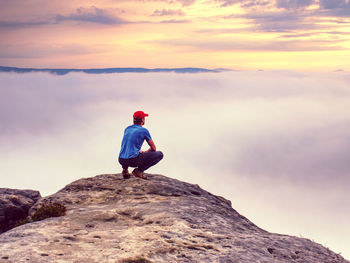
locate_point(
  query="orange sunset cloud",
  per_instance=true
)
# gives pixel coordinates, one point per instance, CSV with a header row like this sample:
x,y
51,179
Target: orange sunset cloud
x,y
245,34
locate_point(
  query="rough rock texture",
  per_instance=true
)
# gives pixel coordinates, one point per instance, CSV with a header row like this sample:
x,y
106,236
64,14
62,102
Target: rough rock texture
x,y
14,206
110,219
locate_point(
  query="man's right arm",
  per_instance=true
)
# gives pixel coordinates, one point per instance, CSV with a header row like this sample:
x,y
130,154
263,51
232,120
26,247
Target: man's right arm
x,y
152,145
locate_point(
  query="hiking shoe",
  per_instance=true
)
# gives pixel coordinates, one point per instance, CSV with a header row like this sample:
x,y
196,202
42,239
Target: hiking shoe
x,y
138,174
126,174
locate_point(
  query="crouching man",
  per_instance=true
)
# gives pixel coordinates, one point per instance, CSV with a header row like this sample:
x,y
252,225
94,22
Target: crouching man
x,y
130,153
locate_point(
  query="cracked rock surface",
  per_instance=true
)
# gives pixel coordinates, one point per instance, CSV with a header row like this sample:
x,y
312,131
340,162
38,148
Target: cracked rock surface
x,y
110,219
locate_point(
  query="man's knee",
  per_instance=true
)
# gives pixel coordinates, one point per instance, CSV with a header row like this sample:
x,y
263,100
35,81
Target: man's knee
x,y
160,155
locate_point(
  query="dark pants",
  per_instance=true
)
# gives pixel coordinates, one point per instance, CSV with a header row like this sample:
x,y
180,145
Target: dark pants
x,y
143,161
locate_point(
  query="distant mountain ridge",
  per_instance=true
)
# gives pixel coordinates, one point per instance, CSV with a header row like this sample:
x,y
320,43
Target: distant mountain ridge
x,y
64,71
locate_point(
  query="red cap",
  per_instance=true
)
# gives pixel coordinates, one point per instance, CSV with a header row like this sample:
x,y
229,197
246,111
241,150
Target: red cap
x,y
140,114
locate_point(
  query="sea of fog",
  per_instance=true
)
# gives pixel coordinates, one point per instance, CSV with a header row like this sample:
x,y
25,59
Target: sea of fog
x,y
275,143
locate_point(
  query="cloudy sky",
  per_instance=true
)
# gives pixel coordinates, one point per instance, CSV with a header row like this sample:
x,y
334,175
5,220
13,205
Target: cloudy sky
x,y
237,34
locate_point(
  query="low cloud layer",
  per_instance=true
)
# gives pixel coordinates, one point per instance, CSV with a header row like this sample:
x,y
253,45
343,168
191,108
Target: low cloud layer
x,y
296,123
275,143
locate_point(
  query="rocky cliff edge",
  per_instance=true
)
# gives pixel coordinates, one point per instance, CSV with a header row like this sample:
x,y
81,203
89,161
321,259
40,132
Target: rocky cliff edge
x,y
110,219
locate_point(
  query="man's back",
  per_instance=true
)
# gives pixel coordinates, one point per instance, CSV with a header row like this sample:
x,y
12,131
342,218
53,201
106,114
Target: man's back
x,y
133,139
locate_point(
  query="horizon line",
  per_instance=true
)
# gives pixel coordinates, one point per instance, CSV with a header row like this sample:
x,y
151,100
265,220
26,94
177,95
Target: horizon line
x,y
64,71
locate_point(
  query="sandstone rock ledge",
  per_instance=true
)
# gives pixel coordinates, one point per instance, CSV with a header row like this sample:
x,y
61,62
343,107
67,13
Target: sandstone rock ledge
x,y
14,206
110,219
